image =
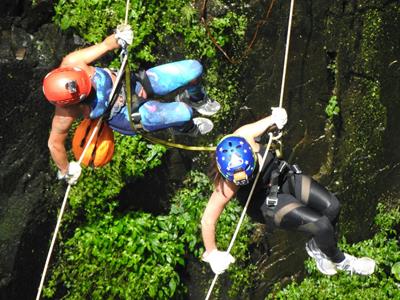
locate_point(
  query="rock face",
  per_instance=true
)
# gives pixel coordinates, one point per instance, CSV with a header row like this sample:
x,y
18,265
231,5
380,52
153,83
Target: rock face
x,y
28,50
346,49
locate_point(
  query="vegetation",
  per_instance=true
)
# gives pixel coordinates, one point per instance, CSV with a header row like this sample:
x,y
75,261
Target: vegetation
x,y
332,109
109,254
138,256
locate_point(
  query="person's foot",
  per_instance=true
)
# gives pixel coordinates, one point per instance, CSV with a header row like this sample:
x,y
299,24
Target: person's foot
x,y
206,106
360,266
324,265
200,126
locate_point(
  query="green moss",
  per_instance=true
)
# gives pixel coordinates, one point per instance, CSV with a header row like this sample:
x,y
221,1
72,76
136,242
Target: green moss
x,y
363,116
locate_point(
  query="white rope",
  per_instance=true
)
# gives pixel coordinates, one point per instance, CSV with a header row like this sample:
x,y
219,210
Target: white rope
x,y
286,53
267,149
64,203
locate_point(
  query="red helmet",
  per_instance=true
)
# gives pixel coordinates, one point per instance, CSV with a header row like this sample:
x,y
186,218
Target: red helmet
x,y
65,86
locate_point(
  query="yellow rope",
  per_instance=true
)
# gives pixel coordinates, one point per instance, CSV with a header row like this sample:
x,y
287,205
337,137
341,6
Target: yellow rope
x,y
155,140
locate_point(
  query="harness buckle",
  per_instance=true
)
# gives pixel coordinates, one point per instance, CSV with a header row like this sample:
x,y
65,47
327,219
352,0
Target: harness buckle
x,y
272,197
296,169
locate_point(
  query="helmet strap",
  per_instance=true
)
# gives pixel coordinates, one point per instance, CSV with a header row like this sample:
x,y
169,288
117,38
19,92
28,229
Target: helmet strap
x,y
240,178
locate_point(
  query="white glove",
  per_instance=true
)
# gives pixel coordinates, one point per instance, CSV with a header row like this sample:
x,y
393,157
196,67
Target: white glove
x,y
124,35
219,260
279,116
73,172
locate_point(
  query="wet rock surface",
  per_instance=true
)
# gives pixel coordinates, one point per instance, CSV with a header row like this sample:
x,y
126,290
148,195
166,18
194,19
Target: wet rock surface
x,y
27,191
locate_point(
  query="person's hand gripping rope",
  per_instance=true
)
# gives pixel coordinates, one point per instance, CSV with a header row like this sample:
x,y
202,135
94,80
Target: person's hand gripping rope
x,y
124,35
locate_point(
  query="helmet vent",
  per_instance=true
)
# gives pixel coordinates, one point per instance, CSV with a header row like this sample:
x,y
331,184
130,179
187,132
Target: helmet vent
x,y
71,86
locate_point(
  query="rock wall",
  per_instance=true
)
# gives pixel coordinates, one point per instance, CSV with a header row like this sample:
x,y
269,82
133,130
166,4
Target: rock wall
x,y
346,49
29,198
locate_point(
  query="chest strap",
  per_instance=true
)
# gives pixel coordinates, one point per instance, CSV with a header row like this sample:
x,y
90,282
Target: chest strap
x,y
284,171
132,103
145,81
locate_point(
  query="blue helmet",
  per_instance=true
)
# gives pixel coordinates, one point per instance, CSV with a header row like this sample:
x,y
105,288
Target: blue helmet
x,y
236,160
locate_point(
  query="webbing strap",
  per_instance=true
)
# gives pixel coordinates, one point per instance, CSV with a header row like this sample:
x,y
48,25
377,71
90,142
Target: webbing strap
x,y
146,84
129,94
155,140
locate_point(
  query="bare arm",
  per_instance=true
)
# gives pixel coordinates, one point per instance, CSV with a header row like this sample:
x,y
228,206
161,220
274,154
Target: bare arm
x,y
84,57
61,123
223,192
253,130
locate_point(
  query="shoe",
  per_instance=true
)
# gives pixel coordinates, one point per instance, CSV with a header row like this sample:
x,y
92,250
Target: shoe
x,y
324,265
360,266
206,106
200,126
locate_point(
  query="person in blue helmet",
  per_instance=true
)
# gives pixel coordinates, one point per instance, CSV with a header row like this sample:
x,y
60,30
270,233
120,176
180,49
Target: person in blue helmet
x,y
78,89
283,198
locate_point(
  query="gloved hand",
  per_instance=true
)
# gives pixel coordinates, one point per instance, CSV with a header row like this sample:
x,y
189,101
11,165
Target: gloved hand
x,y
279,116
73,173
219,260
124,35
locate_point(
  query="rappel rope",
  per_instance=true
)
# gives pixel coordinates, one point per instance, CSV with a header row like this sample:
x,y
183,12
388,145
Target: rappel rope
x,y
64,203
271,138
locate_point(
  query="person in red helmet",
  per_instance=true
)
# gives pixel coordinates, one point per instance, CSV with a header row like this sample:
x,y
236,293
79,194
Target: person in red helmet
x,y
79,90
66,87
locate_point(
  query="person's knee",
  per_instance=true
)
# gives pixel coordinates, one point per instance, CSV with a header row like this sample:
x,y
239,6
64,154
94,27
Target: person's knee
x,y
185,112
334,208
321,227
196,71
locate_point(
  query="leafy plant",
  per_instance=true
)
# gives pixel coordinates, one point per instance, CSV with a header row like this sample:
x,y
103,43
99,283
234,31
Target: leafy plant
x,y
95,192
135,254
138,255
332,109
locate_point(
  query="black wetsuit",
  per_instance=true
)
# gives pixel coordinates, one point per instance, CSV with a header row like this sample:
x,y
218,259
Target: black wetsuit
x,y
303,205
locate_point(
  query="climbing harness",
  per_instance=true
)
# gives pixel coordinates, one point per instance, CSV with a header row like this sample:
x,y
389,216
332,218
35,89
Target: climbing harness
x,y
282,172
112,100
271,138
